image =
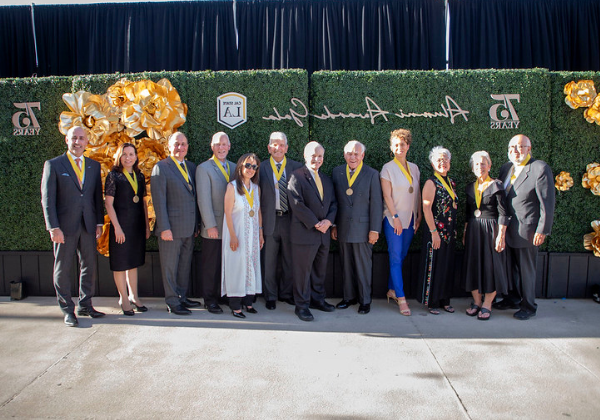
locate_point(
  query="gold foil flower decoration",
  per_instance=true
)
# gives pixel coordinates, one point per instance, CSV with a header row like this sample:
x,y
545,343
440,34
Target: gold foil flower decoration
x,y
149,153
591,241
117,97
580,94
564,181
91,112
102,242
592,114
591,179
154,107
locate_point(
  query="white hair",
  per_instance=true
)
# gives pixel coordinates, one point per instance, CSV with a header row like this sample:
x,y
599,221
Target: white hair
x,y
437,151
216,138
478,155
310,148
277,135
351,145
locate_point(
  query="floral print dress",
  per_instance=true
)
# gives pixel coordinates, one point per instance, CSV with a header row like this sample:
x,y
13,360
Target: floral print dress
x,y
436,273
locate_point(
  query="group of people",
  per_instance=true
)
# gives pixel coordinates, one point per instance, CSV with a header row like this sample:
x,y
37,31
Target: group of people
x,y
291,211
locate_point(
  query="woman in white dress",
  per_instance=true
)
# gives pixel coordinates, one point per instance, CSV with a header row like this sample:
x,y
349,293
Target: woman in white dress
x,y
242,238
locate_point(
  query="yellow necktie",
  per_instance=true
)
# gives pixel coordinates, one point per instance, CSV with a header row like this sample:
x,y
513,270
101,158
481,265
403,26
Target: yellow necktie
x,y
319,184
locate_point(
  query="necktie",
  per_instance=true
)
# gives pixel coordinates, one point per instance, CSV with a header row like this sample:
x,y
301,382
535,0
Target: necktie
x,y
283,200
78,162
319,185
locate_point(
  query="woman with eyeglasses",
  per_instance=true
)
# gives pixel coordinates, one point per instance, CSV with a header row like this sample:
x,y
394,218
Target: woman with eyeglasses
x,y
440,205
242,238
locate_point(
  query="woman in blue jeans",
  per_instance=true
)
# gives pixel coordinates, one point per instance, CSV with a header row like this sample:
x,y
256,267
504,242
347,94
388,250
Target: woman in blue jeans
x,y
402,211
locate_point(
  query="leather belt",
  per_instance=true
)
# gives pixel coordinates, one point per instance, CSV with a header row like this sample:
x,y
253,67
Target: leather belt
x,y
280,212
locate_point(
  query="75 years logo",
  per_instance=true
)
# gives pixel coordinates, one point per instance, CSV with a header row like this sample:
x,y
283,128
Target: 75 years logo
x,y
503,115
25,122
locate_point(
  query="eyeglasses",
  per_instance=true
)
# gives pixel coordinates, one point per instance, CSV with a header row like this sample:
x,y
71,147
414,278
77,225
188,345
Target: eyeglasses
x,y
250,166
519,146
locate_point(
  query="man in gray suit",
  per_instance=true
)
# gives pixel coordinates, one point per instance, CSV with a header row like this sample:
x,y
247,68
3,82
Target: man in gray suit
x,y
174,199
313,205
529,188
274,207
212,178
358,223
74,214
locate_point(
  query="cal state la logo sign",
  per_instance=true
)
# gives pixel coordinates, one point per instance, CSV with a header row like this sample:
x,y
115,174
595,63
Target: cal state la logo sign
x,y
231,109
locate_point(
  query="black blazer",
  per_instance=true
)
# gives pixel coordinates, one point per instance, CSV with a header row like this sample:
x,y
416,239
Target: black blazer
x,y
308,208
267,192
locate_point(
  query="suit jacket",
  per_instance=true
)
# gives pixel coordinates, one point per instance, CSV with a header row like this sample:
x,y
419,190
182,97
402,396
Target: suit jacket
x,y
64,203
174,203
267,192
308,208
212,186
530,202
361,212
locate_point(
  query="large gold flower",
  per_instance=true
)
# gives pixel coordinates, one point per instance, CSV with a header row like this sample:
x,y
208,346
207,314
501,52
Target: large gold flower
x,y
154,107
592,114
102,242
591,179
149,153
580,94
117,97
591,241
564,181
91,112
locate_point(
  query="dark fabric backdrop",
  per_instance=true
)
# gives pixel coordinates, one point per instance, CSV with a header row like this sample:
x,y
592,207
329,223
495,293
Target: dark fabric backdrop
x,y
309,34
553,34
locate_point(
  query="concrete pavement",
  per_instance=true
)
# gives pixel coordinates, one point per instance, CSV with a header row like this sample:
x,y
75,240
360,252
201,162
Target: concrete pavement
x,y
272,365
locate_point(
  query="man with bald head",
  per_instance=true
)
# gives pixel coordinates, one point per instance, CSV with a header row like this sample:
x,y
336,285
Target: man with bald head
x,y
74,214
174,200
212,178
313,205
529,188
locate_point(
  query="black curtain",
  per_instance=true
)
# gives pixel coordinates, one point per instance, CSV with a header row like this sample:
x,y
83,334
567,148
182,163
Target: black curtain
x,y
336,35
17,49
553,34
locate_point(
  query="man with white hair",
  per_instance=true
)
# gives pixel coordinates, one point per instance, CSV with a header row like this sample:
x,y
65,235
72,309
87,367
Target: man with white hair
x,y
312,200
212,178
358,223
274,206
529,188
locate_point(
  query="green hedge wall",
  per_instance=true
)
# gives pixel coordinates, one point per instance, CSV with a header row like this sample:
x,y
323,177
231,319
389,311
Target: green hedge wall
x,y
560,135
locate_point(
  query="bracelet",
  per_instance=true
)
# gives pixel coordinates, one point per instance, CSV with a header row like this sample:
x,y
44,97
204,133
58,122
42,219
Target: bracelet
x,y
432,230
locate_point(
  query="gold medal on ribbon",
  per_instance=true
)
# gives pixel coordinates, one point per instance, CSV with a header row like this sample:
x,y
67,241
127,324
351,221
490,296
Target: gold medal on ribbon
x,y
250,199
407,174
278,173
136,199
477,213
351,180
349,191
454,205
410,189
251,213
220,166
79,172
478,194
446,187
133,181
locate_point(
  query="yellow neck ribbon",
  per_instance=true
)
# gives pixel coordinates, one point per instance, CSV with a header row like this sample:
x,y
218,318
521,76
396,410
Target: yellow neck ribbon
x,y
277,173
319,184
406,170
249,197
446,186
185,173
223,171
356,172
133,181
479,193
514,176
79,172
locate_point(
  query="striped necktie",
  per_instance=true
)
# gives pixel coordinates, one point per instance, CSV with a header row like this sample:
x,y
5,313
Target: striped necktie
x,y
283,199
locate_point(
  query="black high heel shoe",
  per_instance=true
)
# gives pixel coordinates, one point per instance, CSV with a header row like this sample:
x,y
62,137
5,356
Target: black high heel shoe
x,y
250,309
127,313
138,308
238,314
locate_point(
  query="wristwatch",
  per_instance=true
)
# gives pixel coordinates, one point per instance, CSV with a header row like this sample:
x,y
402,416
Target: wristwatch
x,y
395,216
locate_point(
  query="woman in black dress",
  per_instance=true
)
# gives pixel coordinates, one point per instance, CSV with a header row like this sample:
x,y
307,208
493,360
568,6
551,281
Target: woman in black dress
x,y
439,240
125,192
487,219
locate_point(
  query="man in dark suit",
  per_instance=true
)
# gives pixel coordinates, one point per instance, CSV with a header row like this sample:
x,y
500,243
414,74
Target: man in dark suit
x,y
74,214
313,212
174,199
358,223
529,188
274,207
212,178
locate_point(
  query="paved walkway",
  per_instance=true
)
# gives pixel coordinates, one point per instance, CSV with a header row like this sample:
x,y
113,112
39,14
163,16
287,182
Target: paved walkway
x,y
341,366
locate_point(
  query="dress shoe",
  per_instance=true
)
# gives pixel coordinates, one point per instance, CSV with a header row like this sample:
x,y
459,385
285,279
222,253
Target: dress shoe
x,y
523,315
238,314
304,314
71,320
90,311
138,308
344,304
213,308
250,310
186,303
322,306
505,304
270,304
127,312
178,310
364,309
289,301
